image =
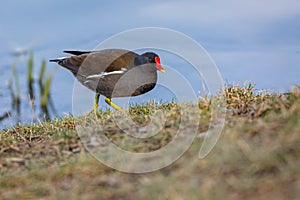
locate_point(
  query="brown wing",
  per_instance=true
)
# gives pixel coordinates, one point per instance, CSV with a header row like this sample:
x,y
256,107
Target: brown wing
x,y
95,62
107,60
98,63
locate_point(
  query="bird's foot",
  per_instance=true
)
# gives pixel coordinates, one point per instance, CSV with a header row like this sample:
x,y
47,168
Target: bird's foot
x,y
112,104
96,103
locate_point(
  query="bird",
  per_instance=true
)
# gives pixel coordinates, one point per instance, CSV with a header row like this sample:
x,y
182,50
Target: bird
x,y
113,72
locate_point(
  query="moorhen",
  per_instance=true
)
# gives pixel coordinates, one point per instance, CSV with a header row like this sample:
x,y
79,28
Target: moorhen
x,y
113,72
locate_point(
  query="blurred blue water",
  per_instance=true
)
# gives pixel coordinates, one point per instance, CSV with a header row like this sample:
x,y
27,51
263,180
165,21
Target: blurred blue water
x,y
260,48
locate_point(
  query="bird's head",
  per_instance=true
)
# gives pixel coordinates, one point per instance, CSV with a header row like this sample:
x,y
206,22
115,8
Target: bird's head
x,y
150,57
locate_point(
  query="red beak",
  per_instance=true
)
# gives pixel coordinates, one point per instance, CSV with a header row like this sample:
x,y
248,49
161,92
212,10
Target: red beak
x,y
158,65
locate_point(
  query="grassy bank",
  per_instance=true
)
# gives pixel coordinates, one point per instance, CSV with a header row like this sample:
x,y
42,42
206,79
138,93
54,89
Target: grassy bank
x,y
257,156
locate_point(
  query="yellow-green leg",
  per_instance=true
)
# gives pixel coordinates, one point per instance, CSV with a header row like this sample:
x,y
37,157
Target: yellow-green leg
x,y
96,102
112,104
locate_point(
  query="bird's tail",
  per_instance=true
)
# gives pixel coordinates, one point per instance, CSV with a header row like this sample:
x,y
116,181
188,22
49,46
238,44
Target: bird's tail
x,y
65,62
57,60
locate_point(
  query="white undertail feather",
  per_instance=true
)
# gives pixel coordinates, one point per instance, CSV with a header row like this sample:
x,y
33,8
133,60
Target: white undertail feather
x,y
61,58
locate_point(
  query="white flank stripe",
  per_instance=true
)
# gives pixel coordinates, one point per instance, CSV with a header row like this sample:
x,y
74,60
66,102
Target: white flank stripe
x,y
103,74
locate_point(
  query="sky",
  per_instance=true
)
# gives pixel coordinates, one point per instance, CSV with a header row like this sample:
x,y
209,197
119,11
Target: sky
x,y
255,41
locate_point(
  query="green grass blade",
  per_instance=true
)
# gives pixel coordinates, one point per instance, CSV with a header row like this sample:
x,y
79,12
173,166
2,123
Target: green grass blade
x,y
17,94
46,91
30,76
42,72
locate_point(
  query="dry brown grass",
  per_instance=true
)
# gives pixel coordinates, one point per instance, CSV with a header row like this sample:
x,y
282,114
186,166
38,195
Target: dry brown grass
x,y
257,156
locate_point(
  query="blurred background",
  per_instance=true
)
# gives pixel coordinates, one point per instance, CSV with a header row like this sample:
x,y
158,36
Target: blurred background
x,y
256,41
